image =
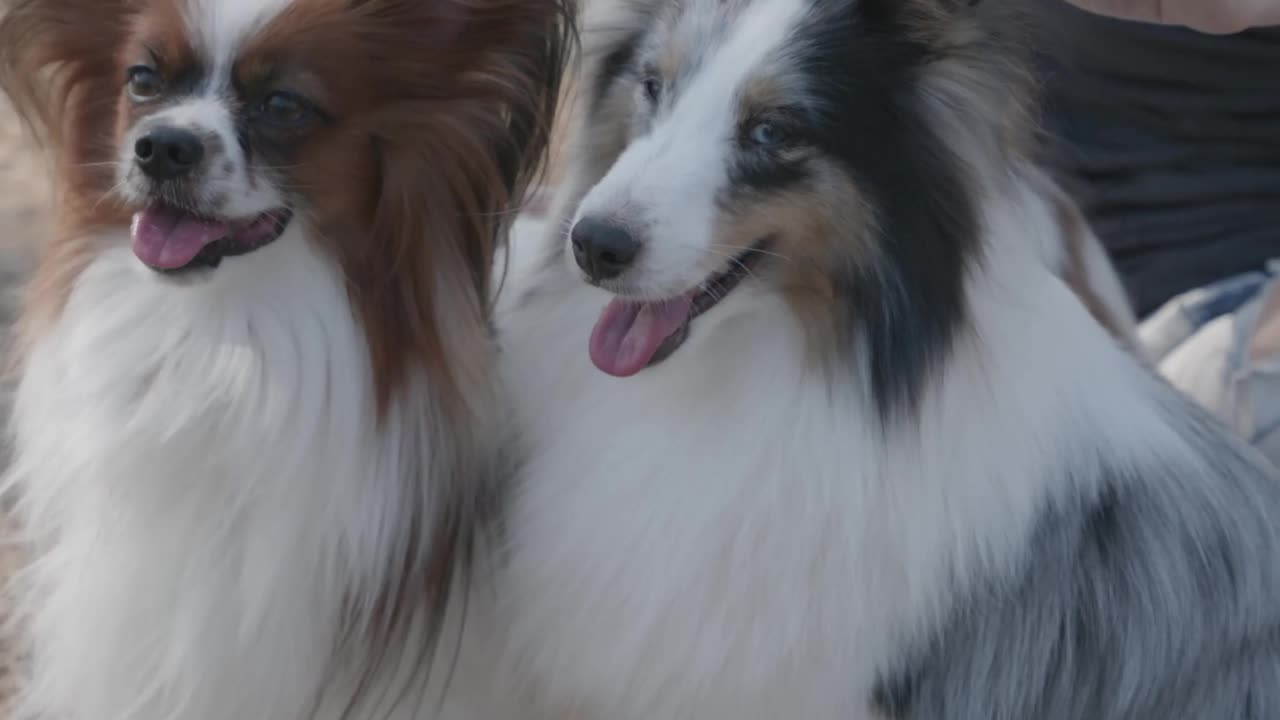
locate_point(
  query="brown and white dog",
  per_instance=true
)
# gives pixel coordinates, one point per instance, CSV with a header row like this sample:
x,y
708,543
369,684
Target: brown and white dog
x,y
255,415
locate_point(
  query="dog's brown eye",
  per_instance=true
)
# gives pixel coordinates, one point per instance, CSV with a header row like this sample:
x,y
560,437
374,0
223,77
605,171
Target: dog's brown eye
x,y
144,83
284,110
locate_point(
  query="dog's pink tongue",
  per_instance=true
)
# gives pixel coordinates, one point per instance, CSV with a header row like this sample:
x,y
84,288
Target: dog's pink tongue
x,y
628,333
169,239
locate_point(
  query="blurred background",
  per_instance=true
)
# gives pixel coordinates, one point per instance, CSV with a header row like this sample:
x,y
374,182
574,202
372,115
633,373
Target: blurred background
x,y
24,195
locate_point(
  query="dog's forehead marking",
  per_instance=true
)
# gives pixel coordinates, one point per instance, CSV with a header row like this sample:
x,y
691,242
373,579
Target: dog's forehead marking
x,y
690,30
748,33
192,112
691,34
219,28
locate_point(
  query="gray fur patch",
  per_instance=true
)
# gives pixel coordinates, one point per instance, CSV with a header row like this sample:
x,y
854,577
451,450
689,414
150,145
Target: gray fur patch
x,y
1158,600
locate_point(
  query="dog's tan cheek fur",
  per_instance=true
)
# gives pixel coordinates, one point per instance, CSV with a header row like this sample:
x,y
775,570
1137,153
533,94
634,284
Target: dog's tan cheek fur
x,y
673,57
817,231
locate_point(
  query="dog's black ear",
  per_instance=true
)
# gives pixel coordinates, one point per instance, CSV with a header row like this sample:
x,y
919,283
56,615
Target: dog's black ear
x,y
924,22
916,12
957,5
948,6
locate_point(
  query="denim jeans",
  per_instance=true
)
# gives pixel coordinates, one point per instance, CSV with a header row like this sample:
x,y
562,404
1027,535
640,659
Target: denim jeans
x,y
1220,344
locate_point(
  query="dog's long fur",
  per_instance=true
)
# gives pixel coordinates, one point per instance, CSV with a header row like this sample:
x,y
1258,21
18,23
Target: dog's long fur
x,y
899,471
1076,255
245,492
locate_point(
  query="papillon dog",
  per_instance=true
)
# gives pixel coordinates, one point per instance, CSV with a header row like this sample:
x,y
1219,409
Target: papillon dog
x,y
256,427
813,430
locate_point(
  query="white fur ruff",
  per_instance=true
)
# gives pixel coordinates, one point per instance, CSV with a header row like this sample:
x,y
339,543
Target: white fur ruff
x,y
204,486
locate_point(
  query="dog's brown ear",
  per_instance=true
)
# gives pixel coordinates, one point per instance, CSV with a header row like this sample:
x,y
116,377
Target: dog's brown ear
x,y
58,59
456,152
59,67
445,19
513,51
534,70
454,156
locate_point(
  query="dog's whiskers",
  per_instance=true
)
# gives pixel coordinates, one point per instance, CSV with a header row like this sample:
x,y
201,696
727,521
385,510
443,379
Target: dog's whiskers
x,y
751,251
732,257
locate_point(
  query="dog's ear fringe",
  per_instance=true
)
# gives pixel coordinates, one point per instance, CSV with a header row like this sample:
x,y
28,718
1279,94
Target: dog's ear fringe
x,y
52,59
452,177
58,68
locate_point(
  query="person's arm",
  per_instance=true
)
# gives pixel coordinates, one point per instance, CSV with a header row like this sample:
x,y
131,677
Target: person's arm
x,y
1212,16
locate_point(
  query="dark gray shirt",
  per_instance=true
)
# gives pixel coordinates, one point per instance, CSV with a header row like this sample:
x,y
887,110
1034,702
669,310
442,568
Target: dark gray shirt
x,y
1170,139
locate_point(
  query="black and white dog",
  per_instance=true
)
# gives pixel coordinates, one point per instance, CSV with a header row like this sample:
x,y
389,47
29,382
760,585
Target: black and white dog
x,y
814,432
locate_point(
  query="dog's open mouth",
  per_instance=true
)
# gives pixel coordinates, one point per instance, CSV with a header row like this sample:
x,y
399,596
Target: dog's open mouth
x,y
632,335
172,240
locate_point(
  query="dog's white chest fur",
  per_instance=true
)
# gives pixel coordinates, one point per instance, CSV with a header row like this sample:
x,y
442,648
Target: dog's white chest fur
x,y
681,535
203,483
728,534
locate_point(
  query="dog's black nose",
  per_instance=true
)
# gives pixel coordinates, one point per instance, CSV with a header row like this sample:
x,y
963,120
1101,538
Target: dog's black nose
x,y
168,153
602,249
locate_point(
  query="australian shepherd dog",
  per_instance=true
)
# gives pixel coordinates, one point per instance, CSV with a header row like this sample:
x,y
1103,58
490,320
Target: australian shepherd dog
x,y
813,431
256,423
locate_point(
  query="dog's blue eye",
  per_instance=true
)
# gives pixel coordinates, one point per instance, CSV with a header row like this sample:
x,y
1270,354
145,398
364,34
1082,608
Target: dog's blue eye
x,y
284,110
765,134
652,88
144,83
